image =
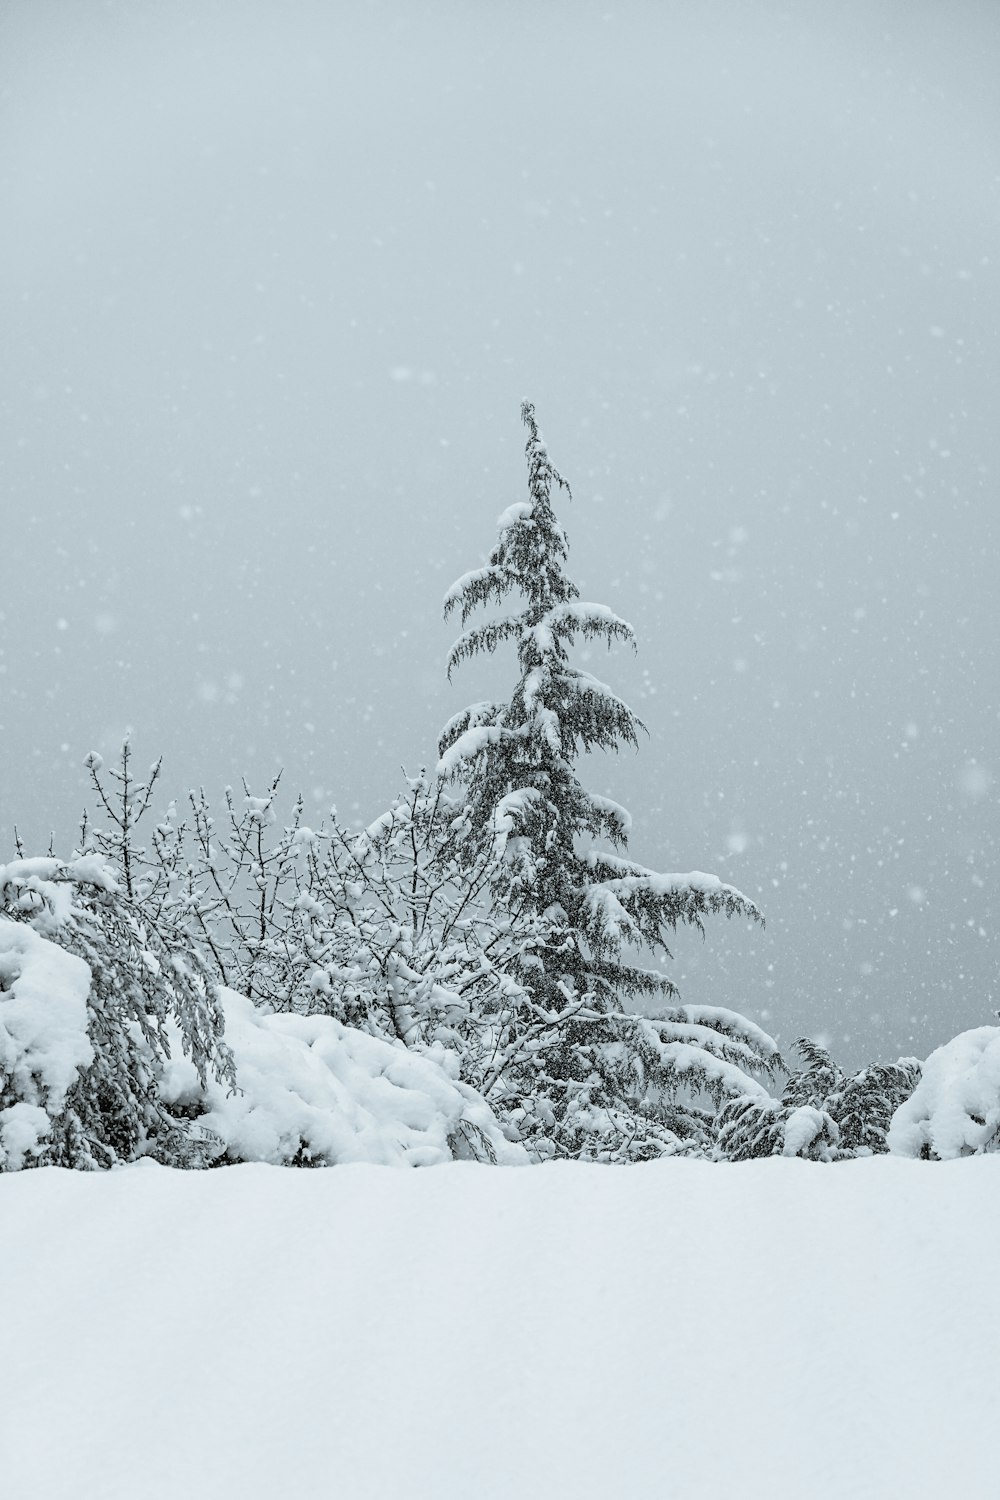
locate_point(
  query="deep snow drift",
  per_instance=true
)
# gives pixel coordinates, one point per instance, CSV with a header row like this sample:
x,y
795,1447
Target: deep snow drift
x,y
676,1329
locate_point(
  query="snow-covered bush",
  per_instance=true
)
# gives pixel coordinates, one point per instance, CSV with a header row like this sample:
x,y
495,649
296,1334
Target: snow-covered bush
x,y
382,930
816,1081
384,927
44,1045
753,1127
397,934
865,1105
88,987
228,886
823,1114
955,1108
654,1087
860,1105
314,1092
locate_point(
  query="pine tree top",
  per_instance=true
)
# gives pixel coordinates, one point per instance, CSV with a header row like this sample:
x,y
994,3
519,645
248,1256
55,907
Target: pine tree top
x,y
529,559
531,547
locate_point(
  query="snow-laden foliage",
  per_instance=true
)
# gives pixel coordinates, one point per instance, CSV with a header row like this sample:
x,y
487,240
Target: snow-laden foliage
x,y
383,928
396,934
44,1044
865,1105
955,1108
228,884
824,1113
861,1104
818,1080
89,985
575,1070
749,1128
315,1093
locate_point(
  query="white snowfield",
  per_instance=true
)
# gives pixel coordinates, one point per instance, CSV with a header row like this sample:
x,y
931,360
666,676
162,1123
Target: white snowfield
x,y
678,1330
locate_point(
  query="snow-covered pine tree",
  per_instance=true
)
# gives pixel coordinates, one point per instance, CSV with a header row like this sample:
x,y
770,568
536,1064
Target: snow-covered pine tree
x,y
574,1072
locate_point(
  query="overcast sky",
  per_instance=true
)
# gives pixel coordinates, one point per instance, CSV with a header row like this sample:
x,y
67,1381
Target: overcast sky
x,y
274,279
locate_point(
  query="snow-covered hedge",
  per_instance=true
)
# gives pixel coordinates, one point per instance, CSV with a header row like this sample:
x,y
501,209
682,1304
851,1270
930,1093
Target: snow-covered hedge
x,y
955,1108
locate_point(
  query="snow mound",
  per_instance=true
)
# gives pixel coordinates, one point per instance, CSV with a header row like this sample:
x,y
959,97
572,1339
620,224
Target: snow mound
x,y
43,1037
317,1093
955,1108
804,1127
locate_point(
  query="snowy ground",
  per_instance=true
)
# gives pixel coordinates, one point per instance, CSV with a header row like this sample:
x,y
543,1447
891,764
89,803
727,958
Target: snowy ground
x,y
681,1330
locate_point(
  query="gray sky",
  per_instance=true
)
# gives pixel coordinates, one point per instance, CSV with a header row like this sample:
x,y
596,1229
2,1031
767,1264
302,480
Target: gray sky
x,y
274,279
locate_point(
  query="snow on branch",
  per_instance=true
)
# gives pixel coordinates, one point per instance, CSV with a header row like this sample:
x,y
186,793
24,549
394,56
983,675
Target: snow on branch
x,y
742,1053
692,1065
655,901
593,714
542,473
477,588
520,511
45,884
544,719
575,617
611,814
468,746
484,638
727,1022
609,924
468,718
509,813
